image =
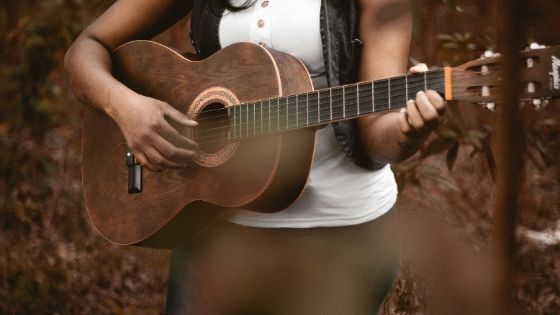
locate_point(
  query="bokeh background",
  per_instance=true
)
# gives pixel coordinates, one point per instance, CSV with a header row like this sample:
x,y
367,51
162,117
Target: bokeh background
x,y
53,262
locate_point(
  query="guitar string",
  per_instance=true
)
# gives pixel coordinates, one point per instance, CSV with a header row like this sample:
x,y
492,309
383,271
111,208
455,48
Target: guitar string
x,y
414,75
394,93
350,99
243,126
423,81
280,102
275,103
456,75
251,131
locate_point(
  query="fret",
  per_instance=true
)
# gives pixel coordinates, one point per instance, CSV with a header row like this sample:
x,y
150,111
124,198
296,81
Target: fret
x,y
344,101
233,108
318,106
324,106
241,121
247,122
381,94
254,120
230,118
282,117
297,113
268,122
406,86
425,82
365,93
258,119
337,103
291,112
415,84
274,116
262,131
351,108
389,92
373,96
307,109
330,104
398,96
436,81
358,100
287,115
313,108
302,111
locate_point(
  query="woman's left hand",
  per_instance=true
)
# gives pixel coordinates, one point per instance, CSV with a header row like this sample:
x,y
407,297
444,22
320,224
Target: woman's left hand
x,y
423,114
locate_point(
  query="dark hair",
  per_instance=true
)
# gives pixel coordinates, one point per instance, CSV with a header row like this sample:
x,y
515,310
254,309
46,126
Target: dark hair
x,y
227,5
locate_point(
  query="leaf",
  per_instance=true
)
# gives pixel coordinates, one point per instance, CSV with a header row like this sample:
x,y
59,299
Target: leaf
x,y
445,37
446,182
448,133
452,156
436,146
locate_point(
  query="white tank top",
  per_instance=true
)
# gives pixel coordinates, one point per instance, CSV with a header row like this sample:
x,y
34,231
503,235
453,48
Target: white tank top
x,y
337,192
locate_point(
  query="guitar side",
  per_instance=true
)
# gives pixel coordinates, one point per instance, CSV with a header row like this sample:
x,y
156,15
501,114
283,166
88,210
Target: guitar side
x,y
263,174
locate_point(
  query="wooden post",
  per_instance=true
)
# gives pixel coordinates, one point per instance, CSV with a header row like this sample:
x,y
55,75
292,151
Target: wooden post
x,y
509,156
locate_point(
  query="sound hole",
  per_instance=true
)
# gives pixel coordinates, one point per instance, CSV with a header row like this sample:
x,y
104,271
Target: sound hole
x,y
212,130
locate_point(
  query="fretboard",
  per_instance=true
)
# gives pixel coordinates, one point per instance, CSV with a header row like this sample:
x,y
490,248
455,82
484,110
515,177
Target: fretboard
x,y
328,105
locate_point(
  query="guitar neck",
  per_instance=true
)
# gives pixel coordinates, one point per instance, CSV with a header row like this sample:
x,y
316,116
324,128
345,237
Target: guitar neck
x,y
329,105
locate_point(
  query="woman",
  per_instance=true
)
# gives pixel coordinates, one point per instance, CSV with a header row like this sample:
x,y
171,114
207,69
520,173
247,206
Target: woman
x,y
332,251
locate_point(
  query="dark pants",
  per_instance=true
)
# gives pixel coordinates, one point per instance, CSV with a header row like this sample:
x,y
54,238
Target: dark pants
x,y
236,270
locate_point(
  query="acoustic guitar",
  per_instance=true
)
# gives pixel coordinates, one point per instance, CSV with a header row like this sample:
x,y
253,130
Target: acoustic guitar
x,y
257,114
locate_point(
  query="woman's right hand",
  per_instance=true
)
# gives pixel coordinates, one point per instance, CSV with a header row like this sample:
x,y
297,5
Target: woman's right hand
x,y
156,144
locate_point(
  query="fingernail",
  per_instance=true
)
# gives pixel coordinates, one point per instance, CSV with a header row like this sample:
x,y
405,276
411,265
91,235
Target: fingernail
x,y
403,110
420,93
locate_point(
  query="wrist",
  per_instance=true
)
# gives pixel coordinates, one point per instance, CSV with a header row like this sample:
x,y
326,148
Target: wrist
x,y
118,101
411,141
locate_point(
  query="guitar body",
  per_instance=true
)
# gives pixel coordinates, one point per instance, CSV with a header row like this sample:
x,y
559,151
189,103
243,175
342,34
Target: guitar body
x,y
264,174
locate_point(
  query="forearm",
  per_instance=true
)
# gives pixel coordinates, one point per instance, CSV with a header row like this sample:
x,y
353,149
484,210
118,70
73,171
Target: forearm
x,y
88,65
88,61
387,143
386,30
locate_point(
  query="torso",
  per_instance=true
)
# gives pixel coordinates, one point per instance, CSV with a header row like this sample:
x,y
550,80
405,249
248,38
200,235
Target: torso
x,y
277,25
337,192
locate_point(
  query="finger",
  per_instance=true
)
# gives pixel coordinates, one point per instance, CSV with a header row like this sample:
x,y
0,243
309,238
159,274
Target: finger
x,y
174,154
427,109
155,157
404,125
177,116
142,160
415,118
437,101
172,135
419,68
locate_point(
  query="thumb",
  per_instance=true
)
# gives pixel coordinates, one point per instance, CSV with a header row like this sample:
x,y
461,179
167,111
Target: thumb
x,y
177,116
419,68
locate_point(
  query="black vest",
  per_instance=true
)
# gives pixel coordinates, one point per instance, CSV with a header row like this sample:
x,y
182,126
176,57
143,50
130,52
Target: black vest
x,y
341,52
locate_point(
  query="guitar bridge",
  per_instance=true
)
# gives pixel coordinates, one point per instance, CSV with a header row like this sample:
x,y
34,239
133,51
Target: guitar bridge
x,y
134,173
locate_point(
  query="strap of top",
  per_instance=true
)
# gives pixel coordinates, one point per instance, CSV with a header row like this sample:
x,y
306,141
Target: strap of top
x,y
205,22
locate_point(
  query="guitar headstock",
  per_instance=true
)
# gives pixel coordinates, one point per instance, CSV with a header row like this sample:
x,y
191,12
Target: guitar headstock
x,y
478,81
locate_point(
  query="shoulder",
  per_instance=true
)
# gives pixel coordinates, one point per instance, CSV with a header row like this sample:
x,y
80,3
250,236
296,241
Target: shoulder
x,y
384,5
384,14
